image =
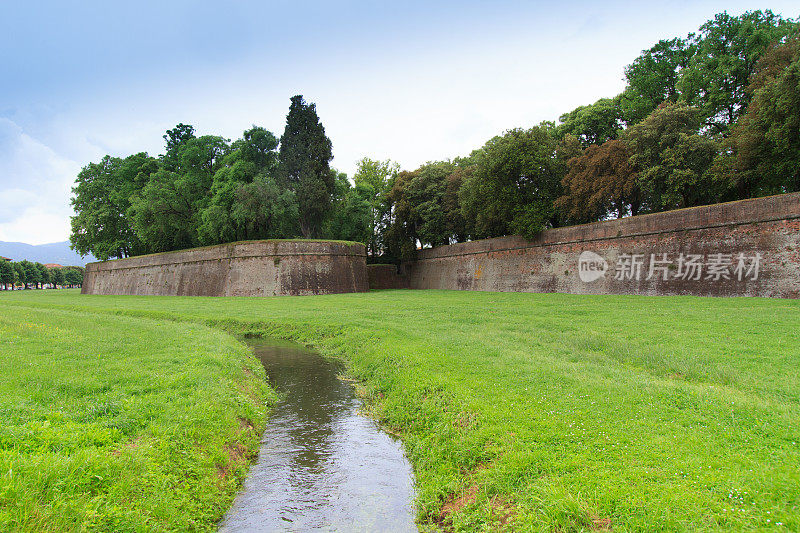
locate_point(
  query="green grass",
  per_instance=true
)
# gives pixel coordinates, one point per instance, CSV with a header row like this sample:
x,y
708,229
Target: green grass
x,y
556,412
112,423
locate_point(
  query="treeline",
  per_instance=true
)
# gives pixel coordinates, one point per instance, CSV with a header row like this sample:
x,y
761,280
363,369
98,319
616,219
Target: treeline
x,y
206,190
711,117
26,273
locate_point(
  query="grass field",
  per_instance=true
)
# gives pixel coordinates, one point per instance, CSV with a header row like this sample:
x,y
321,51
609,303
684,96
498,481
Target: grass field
x,y
529,412
112,423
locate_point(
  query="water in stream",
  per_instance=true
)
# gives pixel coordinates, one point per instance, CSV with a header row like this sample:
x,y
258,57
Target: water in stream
x,y
322,466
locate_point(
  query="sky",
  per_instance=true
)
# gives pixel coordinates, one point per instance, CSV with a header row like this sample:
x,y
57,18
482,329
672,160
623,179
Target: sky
x,y
408,81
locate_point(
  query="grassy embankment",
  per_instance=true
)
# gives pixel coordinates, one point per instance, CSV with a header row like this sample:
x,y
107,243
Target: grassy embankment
x,y
543,412
112,423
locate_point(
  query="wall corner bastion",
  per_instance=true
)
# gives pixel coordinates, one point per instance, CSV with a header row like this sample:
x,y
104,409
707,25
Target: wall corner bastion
x,y
246,268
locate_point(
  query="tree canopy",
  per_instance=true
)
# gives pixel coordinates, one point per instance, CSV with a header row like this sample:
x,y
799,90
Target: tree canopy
x,y
305,156
705,117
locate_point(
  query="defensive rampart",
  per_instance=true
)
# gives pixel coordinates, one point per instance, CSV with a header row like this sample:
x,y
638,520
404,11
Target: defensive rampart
x,y
744,248
250,268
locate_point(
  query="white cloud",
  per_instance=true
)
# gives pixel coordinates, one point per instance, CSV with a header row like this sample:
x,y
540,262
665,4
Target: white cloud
x,y
37,225
35,184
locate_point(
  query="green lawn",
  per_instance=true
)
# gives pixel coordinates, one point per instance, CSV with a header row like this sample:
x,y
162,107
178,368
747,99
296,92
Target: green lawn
x,y
112,423
530,412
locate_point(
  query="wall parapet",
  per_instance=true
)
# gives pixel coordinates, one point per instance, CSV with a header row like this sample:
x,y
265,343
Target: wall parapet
x,y
750,211
745,248
246,268
645,254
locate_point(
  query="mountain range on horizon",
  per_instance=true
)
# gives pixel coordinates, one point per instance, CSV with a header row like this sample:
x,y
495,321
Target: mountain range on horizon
x,y
56,252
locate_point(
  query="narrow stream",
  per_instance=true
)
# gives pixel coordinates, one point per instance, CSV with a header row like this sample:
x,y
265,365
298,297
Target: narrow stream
x,y
321,465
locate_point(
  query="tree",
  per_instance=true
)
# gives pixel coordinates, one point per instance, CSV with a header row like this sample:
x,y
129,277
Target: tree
x,y
653,78
177,136
762,154
600,183
44,274
264,211
101,202
73,276
728,49
352,217
673,159
305,156
373,180
30,274
517,177
428,191
401,235
426,207
253,157
457,227
57,277
258,146
6,274
20,274
216,223
593,124
166,212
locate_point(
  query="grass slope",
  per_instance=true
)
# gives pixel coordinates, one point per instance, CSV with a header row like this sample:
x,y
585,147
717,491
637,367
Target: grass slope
x,y
553,412
112,423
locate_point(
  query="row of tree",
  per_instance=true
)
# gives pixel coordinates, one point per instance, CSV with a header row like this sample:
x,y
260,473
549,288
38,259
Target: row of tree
x,y
206,190
711,117
708,118
26,273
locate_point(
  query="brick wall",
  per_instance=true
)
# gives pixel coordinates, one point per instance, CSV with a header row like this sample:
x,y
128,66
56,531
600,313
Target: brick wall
x,y
744,248
251,268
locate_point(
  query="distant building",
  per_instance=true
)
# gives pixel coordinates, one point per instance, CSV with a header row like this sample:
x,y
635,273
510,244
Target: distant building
x,y
6,258
53,265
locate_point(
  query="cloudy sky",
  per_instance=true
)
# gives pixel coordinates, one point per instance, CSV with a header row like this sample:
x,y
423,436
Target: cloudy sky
x,y
411,81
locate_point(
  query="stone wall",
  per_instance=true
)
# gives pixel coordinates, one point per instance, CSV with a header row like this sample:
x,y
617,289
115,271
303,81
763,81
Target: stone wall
x,y
251,268
745,248
385,277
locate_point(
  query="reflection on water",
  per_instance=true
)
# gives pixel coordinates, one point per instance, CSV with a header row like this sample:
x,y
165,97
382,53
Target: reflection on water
x,y
321,466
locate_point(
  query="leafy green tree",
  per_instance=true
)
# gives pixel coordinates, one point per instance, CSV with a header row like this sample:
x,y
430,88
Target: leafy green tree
x,y
427,208
352,214
258,146
373,179
173,140
600,183
44,274
427,192
458,229
73,276
673,159
265,211
101,202
57,277
216,223
252,157
166,212
401,236
728,49
593,124
762,154
305,155
517,177
20,274
29,273
6,274
653,78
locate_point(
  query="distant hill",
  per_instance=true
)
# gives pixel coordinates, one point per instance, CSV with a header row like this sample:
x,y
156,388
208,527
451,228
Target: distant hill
x,y
57,252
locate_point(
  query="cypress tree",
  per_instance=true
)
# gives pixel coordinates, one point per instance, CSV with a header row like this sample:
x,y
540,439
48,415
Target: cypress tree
x,y
305,156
